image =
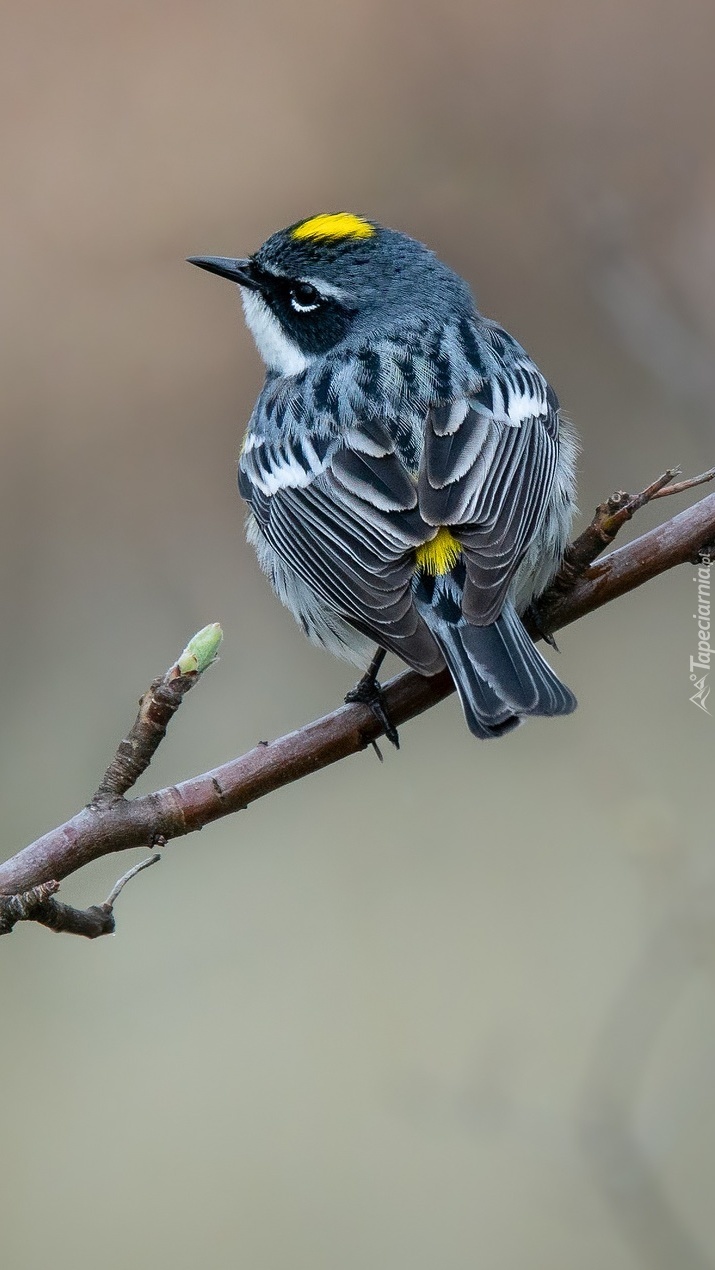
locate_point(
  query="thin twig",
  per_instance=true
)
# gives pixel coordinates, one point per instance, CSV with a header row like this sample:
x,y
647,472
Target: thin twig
x,y
39,905
127,877
608,518
681,486
156,710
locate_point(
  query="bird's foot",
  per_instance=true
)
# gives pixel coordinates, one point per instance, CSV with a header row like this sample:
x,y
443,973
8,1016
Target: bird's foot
x,y
534,614
368,691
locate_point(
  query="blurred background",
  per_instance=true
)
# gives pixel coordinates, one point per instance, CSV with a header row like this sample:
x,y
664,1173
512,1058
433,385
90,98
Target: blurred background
x,y
456,1009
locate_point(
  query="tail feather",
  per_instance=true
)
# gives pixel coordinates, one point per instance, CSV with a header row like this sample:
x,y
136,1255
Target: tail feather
x,y
500,675
485,712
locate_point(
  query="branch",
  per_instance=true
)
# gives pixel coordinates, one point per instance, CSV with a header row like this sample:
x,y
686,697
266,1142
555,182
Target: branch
x,y
38,905
111,823
156,710
132,757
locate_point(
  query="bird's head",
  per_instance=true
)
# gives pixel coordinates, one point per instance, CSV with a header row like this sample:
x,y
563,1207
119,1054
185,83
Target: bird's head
x,y
335,278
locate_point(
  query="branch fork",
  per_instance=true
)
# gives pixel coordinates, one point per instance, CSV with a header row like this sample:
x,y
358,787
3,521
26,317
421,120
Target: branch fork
x,y
133,755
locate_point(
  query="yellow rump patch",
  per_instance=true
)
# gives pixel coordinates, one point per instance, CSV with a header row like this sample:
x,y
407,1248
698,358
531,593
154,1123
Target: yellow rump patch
x,y
440,554
334,225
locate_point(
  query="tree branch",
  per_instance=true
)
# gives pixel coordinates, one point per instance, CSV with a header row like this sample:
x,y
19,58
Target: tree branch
x,y
38,905
111,823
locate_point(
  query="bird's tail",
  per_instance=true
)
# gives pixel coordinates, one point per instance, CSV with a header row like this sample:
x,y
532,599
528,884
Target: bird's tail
x,y
499,674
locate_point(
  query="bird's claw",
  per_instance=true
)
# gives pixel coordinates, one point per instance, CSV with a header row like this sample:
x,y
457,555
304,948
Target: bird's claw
x,y
368,691
534,613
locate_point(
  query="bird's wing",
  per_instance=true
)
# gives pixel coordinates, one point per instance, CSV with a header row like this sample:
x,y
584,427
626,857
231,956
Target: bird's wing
x,y
343,514
487,471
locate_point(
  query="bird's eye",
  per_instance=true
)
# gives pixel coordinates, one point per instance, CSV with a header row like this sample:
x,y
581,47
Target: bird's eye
x,y
303,297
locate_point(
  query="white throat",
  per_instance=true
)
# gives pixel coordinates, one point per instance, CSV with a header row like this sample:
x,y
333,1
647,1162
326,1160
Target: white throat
x,y
277,350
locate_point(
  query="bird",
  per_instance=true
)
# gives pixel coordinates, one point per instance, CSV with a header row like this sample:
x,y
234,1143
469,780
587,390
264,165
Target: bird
x,y
409,475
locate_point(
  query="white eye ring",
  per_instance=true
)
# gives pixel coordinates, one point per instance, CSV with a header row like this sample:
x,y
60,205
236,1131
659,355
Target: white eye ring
x,y
310,299
302,308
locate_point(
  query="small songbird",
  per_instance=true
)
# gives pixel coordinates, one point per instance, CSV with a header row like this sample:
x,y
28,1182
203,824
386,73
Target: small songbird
x,y
409,476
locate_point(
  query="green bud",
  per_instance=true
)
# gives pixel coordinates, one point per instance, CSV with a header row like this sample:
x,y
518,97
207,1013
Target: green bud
x,y
201,651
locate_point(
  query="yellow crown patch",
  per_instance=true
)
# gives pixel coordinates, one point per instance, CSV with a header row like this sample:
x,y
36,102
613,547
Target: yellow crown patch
x,y
334,225
440,554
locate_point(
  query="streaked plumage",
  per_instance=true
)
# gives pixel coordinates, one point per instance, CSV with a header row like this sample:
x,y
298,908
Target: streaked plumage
x,y
409,476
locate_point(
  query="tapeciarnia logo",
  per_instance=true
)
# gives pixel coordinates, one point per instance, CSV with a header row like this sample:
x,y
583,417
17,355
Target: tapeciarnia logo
x,y
700,665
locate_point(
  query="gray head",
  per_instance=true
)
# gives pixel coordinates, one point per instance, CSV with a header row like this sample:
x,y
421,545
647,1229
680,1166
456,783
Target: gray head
x,y
338,279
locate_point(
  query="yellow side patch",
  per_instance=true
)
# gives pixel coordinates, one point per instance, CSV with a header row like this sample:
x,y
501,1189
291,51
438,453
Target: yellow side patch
x,y
334,225
440,554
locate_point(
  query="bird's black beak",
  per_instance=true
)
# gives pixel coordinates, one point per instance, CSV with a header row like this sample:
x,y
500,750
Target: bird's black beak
x,y
240,271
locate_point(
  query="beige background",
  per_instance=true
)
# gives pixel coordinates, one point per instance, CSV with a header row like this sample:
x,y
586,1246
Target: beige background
x,y
452,1011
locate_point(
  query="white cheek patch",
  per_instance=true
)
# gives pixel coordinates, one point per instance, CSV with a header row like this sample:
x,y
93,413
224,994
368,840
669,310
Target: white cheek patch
x,y
277,350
